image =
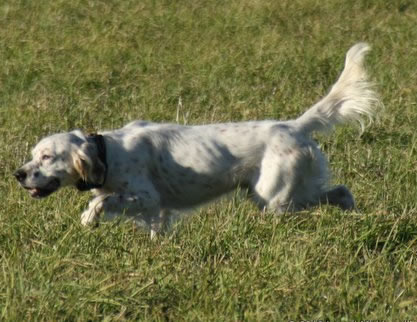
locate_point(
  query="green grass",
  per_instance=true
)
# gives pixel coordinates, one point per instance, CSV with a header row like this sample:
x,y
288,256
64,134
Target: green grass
x,y
100,64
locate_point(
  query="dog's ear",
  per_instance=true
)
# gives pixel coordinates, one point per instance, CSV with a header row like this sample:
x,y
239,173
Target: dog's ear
x,y
88,165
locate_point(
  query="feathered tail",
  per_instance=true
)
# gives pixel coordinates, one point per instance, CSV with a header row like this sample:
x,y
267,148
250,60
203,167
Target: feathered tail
x,y
352,98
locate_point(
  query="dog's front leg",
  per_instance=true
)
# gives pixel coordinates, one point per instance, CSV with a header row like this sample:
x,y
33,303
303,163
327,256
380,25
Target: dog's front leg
x,y
92,214
160,223
144,205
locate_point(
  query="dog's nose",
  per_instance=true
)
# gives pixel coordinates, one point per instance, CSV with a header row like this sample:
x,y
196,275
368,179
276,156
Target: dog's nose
x,y
20,175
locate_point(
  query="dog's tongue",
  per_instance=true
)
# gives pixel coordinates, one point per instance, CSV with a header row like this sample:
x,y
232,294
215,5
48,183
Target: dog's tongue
x,y
34,192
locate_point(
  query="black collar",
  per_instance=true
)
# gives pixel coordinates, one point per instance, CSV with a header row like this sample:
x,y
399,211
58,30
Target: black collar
x,y
101,150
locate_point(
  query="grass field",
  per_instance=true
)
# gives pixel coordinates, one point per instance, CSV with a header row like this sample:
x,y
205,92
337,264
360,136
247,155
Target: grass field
x,y
100,64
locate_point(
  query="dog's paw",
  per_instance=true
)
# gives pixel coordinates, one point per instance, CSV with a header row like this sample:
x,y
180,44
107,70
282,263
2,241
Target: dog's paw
x,y
89,218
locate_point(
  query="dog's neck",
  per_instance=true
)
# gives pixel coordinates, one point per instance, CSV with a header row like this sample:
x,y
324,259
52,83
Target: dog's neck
x,y
98,140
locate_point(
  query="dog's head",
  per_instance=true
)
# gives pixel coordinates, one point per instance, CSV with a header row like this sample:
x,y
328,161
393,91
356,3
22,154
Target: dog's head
x,y
60,160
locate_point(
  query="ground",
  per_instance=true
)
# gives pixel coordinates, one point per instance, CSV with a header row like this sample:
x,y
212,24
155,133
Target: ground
x,y
97,65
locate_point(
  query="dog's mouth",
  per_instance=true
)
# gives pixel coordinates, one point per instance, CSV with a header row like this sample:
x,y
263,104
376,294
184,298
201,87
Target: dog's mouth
x,y
37,192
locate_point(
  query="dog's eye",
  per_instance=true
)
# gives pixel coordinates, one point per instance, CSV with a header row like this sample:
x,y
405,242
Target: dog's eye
x,y
46,157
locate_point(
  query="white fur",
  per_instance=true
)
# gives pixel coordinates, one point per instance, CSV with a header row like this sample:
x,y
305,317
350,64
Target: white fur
x,y
156,168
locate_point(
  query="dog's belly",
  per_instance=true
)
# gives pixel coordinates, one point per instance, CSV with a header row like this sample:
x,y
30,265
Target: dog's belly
x,y
186,197
195,169
187,191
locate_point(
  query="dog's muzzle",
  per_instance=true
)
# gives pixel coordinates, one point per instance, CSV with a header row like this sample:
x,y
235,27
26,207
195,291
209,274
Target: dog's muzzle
x,y
37,192
20,175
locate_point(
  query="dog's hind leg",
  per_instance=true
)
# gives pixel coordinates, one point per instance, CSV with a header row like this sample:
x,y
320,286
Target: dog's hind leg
x,y
274,184
292,179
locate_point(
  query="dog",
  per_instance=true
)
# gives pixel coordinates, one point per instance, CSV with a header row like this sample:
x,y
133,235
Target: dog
x,y
148,170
